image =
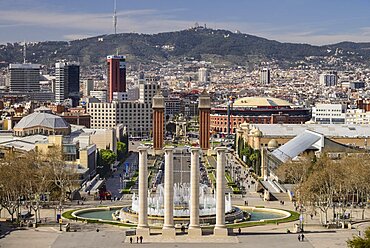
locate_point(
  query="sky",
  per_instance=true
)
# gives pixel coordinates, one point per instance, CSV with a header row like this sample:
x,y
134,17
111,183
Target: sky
x,y
316,22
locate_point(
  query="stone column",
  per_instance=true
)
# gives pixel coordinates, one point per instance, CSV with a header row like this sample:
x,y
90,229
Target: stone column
x,y
194,228
168,229
142,227
220,227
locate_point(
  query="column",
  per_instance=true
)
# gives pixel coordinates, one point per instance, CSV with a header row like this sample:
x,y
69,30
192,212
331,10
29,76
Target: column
x,y
194,228
142,227
204,120
220,227
168,229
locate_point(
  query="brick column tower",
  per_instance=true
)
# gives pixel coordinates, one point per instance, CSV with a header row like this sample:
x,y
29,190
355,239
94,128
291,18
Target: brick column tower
x,y
204,120
158,122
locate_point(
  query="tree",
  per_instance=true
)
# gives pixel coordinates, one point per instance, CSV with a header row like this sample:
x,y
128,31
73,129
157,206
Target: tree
x,y
358,242
108,157
63,176
105,159
295,172
121,150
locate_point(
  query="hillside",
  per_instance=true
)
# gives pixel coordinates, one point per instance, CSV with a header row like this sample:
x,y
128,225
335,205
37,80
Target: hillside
x,y
219,46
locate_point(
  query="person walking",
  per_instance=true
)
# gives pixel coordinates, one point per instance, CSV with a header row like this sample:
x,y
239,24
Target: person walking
x,y
302,237
137,239
141,239
299,237
130,240
239,231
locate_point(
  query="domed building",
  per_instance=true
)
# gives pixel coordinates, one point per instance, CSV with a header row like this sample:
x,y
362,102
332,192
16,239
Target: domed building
x,y
257,110
41,122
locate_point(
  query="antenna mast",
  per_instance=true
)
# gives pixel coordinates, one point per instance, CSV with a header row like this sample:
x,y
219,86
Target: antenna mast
x,y
24,52
115,17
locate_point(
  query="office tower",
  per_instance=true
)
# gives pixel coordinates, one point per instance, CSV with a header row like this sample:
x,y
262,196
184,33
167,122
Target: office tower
x,y
135,115
24,78
203,75
67,82
329,79
116,74
265,76
89,86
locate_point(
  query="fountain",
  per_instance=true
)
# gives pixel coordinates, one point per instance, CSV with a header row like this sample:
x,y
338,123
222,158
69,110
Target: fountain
x,y
207,206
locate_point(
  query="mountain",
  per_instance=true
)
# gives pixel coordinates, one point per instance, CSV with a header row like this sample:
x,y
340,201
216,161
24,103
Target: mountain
x,y
218,46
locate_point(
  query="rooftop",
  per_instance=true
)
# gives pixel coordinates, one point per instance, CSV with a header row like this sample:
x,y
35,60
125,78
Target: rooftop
x,y
329,130
254,102
42,119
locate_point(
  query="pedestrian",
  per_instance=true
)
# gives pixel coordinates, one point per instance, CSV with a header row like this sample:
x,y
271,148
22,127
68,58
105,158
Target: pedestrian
x,y
141,239
302,237
130,240
245,203
311,216
299,237
137,239
239,231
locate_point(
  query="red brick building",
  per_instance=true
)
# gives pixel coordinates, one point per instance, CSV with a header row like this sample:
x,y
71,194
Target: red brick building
x,y
259,110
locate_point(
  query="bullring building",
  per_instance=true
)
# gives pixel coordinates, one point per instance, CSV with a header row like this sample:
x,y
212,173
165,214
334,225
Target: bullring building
x,y
257,110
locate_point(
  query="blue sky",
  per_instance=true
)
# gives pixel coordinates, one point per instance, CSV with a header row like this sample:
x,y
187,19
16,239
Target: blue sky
x,y
300,21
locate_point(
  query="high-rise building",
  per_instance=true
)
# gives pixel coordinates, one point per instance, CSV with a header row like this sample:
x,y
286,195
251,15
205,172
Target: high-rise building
x,y
24,78
89,86
67,82
265,77
116,71
329,79
135,115
203,75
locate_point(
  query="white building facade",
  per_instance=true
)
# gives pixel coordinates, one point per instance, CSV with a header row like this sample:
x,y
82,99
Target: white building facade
x,y
329,113
136,116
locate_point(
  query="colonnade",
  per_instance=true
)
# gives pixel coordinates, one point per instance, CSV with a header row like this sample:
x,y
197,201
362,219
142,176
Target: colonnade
x,y
168,229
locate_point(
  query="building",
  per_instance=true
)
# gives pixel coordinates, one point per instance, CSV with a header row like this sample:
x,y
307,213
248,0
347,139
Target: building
x,y
203,75
264,110
24,78
89,86
80,119
173,105
324,113
259,135
67,82
101,95
136,116
41,122
116,71
328,79
356,85
265,77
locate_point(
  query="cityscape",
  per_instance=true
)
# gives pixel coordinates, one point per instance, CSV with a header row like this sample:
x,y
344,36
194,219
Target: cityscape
x,y
184,129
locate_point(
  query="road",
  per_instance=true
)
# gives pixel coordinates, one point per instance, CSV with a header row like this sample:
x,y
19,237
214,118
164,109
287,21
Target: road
x,y
114,183
181,167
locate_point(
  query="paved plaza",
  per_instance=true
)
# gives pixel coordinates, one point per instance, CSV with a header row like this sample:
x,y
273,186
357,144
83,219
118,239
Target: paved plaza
x,y
115,237
111,236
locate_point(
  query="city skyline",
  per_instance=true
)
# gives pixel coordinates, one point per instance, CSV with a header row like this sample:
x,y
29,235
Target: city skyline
x,y
312,22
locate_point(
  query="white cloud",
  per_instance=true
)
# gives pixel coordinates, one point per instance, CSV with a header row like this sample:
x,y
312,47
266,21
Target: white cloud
x,y
81,25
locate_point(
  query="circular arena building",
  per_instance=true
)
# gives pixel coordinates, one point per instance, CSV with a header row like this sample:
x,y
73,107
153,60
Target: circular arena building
x,y
262,110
